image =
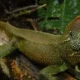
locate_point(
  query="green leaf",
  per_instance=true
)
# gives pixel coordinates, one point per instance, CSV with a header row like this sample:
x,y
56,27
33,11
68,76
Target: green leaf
x,y
8,48
4,67
65,11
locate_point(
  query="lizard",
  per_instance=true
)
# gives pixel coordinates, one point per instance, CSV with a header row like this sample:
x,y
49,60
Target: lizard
x,y
45,48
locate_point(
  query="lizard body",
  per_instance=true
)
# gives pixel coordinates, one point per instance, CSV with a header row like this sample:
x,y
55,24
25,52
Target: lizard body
x,y
45,48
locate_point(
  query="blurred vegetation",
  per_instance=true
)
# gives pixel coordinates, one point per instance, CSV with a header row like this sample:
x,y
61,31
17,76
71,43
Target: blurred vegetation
x,y
58,13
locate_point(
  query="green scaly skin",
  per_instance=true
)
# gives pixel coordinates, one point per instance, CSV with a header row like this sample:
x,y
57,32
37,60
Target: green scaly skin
x,y
39,46
46,48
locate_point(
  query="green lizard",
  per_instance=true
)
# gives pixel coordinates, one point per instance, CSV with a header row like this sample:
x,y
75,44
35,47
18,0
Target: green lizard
x,y
45,48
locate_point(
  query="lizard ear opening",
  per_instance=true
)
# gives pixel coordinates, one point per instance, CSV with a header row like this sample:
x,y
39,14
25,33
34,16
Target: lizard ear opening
x,y
73,25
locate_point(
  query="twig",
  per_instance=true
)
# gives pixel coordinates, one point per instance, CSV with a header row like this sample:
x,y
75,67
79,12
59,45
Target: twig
x,y
26,12
20,9
33,23
1,3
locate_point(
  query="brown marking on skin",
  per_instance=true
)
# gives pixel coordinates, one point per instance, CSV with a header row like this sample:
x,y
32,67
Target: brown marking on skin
x,y
73,25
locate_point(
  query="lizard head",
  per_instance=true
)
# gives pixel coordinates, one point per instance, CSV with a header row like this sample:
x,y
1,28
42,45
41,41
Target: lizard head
x,y
74,34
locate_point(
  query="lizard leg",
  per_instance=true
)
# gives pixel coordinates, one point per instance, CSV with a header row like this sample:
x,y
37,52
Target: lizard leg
x,y
49,72
77,72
